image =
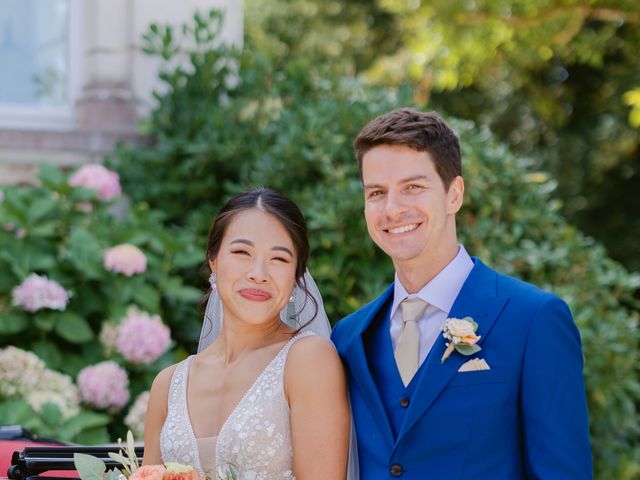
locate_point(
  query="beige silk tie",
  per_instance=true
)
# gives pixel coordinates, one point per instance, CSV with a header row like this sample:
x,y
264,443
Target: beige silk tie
x,y
407,350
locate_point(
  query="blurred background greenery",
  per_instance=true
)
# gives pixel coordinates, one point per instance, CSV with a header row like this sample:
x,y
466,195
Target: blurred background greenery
x,y
543,93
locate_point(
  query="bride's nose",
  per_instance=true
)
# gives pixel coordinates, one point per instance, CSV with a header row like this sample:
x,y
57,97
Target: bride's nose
x,y
258,272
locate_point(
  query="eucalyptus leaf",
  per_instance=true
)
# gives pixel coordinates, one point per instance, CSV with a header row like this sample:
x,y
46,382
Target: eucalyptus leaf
x,y
120,459
467,349
88,466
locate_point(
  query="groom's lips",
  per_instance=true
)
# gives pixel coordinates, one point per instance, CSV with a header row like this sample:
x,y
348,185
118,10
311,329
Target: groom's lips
x,y
402,229
255,294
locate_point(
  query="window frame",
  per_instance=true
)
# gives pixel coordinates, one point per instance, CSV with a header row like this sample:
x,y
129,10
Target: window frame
x,y
54,118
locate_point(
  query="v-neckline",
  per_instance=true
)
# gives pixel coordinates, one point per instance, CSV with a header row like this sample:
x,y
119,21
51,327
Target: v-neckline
x,y
242,399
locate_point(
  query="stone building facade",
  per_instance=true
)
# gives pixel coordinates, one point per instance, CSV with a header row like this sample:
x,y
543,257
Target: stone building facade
x,y
73,80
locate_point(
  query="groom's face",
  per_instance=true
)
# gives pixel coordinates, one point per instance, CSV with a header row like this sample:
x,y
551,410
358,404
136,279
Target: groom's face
x,y
409,213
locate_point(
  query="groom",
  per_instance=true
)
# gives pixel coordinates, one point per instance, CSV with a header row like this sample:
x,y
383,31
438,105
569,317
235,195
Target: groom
x,y
503,397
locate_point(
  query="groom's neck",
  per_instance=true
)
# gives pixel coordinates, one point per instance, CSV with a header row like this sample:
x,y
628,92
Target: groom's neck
x,y
415,274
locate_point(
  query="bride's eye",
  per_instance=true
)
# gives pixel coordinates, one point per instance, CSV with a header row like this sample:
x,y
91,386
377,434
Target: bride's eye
x,y
239,252
282,259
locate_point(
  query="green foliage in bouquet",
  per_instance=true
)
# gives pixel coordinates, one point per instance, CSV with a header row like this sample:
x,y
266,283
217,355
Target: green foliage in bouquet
x,y
229,121
91,291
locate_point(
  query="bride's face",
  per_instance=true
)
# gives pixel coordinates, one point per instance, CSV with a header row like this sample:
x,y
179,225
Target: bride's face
x,y
255,267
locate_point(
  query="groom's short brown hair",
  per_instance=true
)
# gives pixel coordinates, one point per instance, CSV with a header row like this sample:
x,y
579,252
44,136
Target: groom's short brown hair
x,y
422,131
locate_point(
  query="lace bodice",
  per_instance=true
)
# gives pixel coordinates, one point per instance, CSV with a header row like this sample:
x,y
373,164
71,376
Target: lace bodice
x,y
256,437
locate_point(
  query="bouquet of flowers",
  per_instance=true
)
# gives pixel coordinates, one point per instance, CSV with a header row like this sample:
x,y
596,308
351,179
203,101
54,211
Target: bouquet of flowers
x,y
92,468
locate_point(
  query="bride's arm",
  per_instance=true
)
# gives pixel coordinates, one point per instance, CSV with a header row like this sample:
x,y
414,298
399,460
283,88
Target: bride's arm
x,y
320,419
155,416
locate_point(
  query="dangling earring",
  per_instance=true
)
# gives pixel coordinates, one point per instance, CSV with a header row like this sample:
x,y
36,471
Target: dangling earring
x,y
212,281
292,297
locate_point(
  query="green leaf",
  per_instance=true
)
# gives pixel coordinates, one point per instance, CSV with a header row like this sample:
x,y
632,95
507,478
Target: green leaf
x,y
16,411
51,176
88,466
472,321
51,414
13,322
92,436
119,458
147,297
45,320
113,474
467,349
39,209
45,229
49,353
85,253
81,194
84,421
73,328
173,288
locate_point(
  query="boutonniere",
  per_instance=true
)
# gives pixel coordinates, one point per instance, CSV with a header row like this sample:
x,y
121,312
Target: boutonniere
x,y
460,335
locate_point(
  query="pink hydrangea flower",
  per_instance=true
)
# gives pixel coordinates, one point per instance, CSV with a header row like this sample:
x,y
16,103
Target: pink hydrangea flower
x,y
96,177
142,338
38,292
104,385
126,259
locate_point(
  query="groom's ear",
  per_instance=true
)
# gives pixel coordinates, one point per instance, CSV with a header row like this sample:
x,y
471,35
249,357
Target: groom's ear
x,y
455,194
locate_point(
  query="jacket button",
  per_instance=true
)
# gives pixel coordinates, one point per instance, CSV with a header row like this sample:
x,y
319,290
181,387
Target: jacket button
x,y
404,402
396,470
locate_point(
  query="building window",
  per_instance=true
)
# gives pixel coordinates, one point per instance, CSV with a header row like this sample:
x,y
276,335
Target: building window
x,y
39,65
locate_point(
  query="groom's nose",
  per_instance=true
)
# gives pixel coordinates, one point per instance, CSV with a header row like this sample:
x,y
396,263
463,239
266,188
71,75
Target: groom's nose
x,y
394,204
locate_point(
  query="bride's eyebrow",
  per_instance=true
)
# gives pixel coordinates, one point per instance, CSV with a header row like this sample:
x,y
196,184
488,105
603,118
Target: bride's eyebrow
x,y
283,249
251,244
242,240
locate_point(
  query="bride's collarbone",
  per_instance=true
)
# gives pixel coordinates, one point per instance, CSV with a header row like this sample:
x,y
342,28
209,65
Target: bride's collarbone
x,y
215,388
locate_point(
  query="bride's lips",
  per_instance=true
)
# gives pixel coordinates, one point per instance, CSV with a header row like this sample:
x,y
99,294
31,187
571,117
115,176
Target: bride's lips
x,y
255,294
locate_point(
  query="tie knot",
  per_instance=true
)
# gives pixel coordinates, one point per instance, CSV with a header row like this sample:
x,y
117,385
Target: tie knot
x,y
412,309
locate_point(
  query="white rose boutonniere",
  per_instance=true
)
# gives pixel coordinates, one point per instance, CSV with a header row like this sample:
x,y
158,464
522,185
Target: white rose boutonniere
x,y
460,335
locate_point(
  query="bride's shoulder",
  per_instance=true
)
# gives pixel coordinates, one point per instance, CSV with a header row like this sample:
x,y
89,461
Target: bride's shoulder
x,y
163,379
315,354
312,347
311,352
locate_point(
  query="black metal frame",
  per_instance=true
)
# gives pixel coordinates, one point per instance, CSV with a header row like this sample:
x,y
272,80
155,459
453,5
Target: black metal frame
x,y
31,462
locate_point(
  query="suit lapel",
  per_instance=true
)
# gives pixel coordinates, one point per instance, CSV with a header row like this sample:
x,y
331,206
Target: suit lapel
x,y
357,361
477,299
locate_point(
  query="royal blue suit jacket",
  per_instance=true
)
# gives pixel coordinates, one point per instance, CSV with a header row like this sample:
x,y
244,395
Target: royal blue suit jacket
x,y
526,417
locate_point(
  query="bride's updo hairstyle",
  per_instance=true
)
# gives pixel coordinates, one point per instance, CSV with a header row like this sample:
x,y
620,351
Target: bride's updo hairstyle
x,y
284,210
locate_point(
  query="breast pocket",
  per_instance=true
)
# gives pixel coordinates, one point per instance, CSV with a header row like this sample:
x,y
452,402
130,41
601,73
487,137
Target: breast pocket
x,y
480,377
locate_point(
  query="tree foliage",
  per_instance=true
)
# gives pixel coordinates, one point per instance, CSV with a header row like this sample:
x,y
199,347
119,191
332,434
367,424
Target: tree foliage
x,y
289,126
556,79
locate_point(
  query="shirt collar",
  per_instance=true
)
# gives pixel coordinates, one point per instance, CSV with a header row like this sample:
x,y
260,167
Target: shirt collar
x,y
443,289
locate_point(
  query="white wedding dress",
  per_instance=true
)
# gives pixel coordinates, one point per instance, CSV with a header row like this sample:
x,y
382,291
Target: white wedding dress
x,y
255,440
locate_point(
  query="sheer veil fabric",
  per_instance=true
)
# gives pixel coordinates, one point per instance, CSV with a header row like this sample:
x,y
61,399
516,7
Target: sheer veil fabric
x,y
299,312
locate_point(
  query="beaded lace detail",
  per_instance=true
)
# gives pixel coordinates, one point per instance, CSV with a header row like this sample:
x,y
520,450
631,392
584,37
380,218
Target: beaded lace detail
x,y
255,438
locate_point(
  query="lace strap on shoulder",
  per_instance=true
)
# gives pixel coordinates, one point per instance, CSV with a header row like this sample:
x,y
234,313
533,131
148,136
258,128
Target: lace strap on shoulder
x,y
285,350
178,381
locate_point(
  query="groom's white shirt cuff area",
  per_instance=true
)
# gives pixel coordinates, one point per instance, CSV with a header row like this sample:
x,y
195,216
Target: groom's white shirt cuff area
x,y
439,293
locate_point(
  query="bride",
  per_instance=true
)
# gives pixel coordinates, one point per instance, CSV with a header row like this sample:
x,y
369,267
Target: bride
x,y
265,396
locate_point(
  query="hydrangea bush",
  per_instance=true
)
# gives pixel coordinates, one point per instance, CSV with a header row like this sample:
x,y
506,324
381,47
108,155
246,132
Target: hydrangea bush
x,y
91,301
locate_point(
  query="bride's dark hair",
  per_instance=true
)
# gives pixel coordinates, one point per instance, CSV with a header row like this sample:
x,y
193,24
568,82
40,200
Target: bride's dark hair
x,y
286,211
